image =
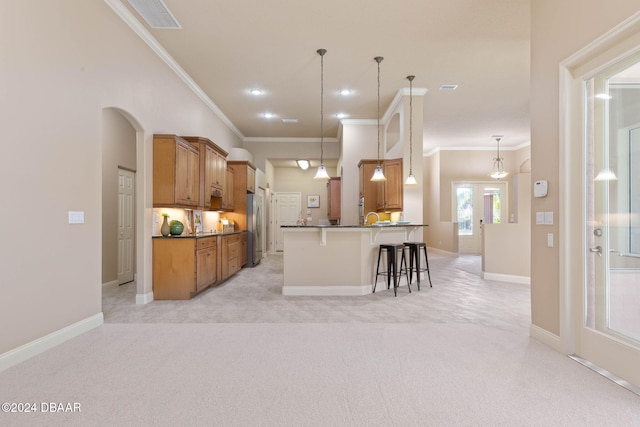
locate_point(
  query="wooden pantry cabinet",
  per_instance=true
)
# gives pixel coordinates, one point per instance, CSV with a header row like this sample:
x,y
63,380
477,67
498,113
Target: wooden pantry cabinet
x,y
176,172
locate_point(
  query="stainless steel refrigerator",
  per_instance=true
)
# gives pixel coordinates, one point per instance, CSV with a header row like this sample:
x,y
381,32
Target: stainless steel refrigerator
x,y
255,219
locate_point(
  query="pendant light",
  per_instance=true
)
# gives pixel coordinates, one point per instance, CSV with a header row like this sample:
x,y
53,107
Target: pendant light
x,y
378,174
498,166
322,170
411,180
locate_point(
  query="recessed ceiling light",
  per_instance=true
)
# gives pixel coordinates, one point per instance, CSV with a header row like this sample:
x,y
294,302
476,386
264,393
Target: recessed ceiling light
x,y
345,92
256,92
268,115
448,87
342,115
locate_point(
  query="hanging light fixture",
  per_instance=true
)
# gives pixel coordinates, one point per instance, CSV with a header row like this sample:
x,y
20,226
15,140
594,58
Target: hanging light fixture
x,y
322,170
498,166
411,180
378,173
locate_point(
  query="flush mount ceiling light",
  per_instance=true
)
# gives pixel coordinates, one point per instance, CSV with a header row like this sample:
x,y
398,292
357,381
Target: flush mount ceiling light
x,y
378,173
322,170
411,180
303,164
498,167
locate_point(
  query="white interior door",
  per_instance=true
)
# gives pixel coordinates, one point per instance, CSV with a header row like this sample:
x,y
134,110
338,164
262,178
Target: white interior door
x,y
288,210
607,304
126,225
475,204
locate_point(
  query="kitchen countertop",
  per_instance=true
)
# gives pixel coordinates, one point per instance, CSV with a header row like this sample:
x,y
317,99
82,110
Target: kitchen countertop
x,y
198,236
355,226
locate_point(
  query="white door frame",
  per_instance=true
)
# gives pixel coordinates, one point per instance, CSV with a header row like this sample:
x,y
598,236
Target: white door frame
x,y
276,216
621,42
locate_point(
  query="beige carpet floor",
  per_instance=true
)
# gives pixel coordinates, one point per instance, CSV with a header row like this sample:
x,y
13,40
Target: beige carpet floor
x,y
461,357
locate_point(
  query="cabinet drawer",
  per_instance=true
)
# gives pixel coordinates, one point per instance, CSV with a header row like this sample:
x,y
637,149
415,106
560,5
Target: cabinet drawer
x,y
205,242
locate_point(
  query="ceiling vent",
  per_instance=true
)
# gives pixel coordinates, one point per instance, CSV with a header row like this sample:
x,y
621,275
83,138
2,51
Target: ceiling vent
x,y
448,87
289,120
155,13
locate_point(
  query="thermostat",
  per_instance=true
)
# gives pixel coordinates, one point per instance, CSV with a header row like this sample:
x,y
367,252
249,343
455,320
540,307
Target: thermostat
x,y
540,188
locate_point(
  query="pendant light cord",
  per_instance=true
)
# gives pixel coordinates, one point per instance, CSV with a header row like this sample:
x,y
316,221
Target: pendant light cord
x,y
321,52
411,124
378,59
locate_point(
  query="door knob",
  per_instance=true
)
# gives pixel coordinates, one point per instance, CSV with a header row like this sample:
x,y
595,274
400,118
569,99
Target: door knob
x,y
597,249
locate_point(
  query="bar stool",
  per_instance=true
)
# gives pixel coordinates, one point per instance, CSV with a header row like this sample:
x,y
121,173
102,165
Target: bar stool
x,y
414,260
393,269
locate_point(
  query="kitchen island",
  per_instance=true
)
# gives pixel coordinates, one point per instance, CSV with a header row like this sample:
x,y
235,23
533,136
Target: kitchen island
x,y
337,259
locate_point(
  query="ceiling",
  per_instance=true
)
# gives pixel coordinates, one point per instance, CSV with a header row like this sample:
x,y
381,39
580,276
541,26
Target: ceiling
x,y
230,47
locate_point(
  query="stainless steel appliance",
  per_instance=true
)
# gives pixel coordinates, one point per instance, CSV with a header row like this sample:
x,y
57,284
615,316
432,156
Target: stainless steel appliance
x,y
255,218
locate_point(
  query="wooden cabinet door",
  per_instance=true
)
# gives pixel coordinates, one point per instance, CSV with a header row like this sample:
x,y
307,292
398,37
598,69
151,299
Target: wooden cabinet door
x,y
206,267
183,175
220,169
333,199
251,180
227,194
393,188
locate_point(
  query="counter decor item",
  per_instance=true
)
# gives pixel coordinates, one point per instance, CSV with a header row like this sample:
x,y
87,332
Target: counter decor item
x,y
176,227
165,229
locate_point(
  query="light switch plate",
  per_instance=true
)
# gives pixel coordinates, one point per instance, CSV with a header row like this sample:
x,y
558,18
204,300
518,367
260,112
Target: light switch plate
x,y
539,218
548,218
76,217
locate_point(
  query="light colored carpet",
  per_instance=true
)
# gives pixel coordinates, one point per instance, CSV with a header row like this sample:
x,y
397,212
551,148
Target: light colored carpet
x,y
241,354
313,375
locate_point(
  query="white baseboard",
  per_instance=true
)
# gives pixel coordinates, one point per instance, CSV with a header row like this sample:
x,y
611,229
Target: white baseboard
x,y
546,338
441,251
144,298
523,280
111,283
33,348
326,290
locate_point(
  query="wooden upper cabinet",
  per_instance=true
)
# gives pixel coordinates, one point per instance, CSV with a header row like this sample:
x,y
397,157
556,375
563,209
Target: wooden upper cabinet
x,y
176,172
390,192
212,170
333,199
251,179
381,196
368,188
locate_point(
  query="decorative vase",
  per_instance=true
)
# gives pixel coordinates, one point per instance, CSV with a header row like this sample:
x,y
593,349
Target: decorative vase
x,y
176,227
165,229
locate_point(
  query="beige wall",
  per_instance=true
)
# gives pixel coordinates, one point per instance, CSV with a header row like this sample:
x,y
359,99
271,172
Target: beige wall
x,y
444,167
66,62
297,180
558,30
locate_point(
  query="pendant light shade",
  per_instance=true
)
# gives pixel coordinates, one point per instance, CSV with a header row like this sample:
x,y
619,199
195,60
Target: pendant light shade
x,y
321,173
498,167
411,180
378,174
322,170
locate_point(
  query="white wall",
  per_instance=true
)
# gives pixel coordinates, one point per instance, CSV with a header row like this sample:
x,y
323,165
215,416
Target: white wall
x,y
62,63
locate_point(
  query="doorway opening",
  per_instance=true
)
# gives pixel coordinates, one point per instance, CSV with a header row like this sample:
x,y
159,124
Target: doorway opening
x,y
476,204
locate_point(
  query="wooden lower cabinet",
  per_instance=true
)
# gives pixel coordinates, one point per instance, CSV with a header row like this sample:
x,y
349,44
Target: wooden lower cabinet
x,y
231,248
183,266
206,262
